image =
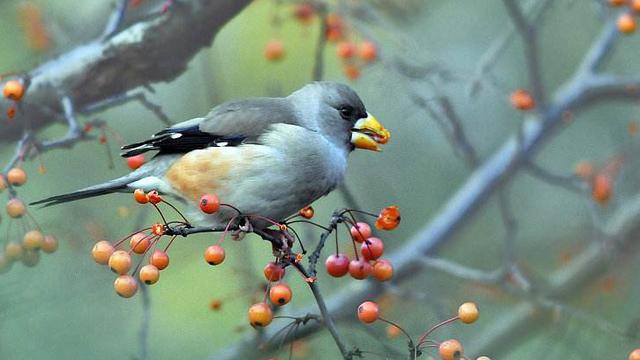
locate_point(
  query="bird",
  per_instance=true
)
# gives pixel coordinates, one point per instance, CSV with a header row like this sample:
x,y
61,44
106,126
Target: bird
x,y
267,156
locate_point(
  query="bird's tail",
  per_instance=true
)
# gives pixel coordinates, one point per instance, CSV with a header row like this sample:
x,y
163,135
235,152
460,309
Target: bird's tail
x,y
116,185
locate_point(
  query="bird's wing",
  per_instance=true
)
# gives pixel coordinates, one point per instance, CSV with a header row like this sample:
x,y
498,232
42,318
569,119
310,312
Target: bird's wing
x,y
228,124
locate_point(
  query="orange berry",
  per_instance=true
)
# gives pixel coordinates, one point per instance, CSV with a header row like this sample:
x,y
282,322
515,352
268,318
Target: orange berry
x,y
125,286
393,331
30,258
368,312
140,196
16,208
617,2
154,197
32,240
584,169
626,23
260,315
522,100
368,51
334,28
273,271
280,294
351,71
13,250
389,218
11,111
159,259
372,248
149,274
359,269
50,244
601,188
139,243
635,5
13,90
274,50
634,355
120,262
307,212
468,313
209,203
360,231
17,177
102,251
215,304
345,50
450,350
382,270
158,229
134,162
214,255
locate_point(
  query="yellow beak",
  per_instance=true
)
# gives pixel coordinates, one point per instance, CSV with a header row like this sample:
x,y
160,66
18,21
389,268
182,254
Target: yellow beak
x,y
368,134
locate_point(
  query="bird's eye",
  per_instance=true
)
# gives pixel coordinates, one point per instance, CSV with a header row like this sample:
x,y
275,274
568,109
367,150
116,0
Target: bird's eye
x,y
346,112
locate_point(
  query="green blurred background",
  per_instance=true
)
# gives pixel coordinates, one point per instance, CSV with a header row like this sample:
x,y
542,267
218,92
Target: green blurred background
x,y
65,308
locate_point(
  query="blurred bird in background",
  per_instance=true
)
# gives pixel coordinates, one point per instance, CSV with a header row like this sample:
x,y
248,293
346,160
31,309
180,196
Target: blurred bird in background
x,y
264,156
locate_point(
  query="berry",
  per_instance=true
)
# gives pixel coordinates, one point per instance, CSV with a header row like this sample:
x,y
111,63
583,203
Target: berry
x,y
33,240
584,169
351,71
617,2
334,28
273,271
154,197
635,5
626,23
307,212
368,312
140,196
274,51
468,313
522,100
120,262
30,258
16,208
337,265
345,50
11,111
634,355
209,203
260,315
50,244
102,251
359,269
126,286
304,13
280,294
215,304
393,331
149,274
601,188
159,259
13,90
450,350
158,229
214,255
360,231
139,243
135,162
17,177
13,250
372,248
368,51
389,218
382,270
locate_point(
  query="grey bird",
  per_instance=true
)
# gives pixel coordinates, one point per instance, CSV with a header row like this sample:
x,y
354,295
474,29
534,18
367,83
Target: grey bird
x,y
265,156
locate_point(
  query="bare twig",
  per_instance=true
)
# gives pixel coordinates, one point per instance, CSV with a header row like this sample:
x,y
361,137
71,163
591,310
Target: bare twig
x,y
116,19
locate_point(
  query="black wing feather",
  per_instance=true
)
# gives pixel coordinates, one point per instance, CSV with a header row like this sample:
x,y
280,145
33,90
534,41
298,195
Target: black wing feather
x,y
180,140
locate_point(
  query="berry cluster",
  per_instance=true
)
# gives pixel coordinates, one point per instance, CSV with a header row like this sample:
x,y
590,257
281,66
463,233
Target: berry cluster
x,y
13,90
27,250
369,312
627,21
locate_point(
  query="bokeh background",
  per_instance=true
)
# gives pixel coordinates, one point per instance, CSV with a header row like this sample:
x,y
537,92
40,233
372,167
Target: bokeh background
x,y
65,307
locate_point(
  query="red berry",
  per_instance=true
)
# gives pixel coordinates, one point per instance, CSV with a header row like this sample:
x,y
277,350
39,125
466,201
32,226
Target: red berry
x,y
273,271
140,196
345,50
274,50
135,162
368,312
372,248
214,255
17,177
360,231
120,262
368,51
337,265
359,269
522,100
154,197
209,203
102,251
159,259
306,212
382,270
450,350
389,218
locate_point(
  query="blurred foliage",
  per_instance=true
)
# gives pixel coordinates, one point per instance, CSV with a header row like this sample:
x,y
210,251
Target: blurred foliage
x,y
66,308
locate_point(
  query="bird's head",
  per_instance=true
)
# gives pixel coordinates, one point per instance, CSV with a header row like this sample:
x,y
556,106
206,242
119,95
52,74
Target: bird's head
x,y
337,111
